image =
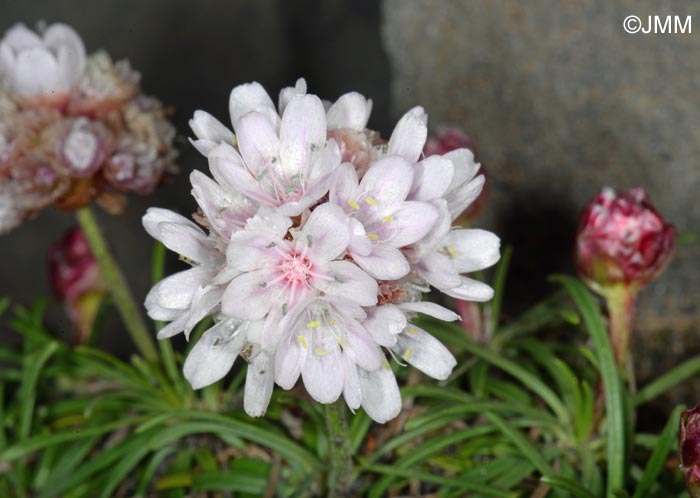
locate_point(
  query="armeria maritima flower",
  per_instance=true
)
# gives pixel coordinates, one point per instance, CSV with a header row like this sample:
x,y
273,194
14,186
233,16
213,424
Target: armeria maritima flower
x,y
622,240
73,128
689,449
322,239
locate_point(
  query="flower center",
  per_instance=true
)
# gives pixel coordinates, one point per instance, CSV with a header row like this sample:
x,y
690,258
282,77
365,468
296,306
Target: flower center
x,y
296,269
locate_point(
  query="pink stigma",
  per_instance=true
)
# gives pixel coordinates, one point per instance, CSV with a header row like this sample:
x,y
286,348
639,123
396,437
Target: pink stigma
x,y
296,269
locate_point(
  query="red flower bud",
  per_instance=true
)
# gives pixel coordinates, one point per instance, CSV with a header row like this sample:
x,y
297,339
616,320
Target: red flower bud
x,y
622,239
445,140
76,280
689,449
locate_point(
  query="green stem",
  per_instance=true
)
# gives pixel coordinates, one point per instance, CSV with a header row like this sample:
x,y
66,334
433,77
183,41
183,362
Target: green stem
x,y
114,278
621,305
340,450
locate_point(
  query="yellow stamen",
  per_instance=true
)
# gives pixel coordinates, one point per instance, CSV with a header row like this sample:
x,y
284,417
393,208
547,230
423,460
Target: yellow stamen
x,y
353,204
321,351
388,219
332,322
370,201
302,341
452,251
412,330
372,236
342,342
385,365
407,354
314,324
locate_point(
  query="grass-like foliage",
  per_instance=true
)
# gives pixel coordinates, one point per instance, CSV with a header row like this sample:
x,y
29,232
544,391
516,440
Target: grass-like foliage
x,y
538,409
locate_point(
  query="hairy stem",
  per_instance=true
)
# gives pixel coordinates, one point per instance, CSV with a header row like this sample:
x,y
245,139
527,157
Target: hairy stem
x,y
340,450
116,283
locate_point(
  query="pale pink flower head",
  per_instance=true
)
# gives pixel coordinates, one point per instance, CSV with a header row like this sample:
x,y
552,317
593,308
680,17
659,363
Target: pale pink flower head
x,y
321,242
42,67
622,240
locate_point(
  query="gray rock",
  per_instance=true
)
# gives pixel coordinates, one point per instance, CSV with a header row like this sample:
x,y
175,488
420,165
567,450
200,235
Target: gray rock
x,y
561,101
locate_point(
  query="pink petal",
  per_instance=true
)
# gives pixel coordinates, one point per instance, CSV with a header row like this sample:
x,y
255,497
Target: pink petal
x,y
323,376
410,222
388,180
257,142
430,309
470,290
384,323
381,398
426,353
431,179
384,263
213,355
247,98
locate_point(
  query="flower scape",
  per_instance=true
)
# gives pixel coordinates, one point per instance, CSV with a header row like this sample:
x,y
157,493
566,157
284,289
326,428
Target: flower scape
x,y
73,127
314,244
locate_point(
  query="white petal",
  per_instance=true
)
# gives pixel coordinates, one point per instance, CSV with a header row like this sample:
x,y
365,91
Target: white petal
x,y
465,168
238,179
351,389
344,187
288,361
226,211
409,135
36,72
267,220
204,125
257,142
384,262
155,216
460,199
362,348
411,221
246,98
65,42
213,355
19,37
176,291
438,270
473,249
470,290
426,353
431,179
323,376
248,297
189,242
381,398
351,110
388,180
259,382
350,282
253,249
326,232
384,323
302,131
430,309
287,94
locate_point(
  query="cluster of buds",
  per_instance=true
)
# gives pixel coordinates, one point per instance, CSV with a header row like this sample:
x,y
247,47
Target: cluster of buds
x,y
73,128
76,281
622,240
315,243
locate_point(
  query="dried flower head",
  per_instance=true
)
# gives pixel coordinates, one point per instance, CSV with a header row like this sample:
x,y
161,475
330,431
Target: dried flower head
x,y
315,244
73,129
689,448
622,240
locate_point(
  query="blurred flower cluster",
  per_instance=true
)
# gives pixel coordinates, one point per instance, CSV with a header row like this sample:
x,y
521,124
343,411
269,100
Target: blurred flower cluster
x,y
316,242
73,128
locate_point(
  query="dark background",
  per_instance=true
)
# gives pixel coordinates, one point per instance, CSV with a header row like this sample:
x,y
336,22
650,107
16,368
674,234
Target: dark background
x,y
190,55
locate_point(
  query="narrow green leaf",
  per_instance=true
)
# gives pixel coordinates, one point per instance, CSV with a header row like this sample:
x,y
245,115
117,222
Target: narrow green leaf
x,y
30,376
670,379
567,485
614,396
667,441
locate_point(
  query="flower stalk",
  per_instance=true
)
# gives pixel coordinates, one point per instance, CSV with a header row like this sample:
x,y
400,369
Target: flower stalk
x,y
116,283
621,301
340,450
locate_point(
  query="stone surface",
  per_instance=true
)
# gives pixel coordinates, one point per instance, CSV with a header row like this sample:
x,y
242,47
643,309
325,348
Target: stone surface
x,y
560,101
